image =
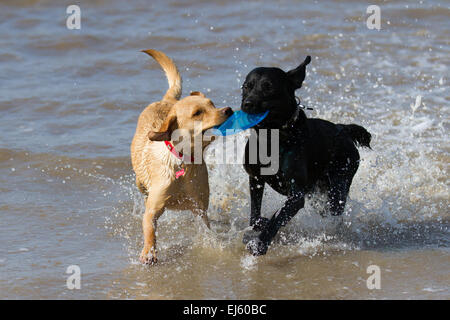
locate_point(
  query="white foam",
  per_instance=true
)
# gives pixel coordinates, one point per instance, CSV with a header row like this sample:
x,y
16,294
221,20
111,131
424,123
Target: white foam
x,y
249,262
431,289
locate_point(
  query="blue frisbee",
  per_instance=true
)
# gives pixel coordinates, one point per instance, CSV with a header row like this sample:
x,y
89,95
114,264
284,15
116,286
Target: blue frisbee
x,y
239,121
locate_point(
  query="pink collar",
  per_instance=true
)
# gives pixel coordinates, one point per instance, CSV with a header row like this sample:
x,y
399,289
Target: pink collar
x,y
180,156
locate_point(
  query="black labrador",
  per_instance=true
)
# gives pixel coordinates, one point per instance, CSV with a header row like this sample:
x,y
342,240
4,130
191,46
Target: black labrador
x,y
312,152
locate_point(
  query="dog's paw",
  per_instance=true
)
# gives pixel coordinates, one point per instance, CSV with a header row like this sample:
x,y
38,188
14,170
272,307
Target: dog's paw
x,y
260,224
146,258
249,235
257,247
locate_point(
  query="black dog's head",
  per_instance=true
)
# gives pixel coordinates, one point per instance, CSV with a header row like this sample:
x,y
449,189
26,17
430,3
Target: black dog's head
x,y
274,90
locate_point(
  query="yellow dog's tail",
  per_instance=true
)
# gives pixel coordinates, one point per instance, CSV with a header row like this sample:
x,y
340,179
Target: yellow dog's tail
x,y
172,74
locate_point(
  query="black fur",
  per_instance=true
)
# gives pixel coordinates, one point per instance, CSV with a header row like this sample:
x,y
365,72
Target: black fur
x,y
312,151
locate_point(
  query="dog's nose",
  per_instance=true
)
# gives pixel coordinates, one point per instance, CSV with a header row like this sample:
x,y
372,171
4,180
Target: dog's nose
x,y
227,111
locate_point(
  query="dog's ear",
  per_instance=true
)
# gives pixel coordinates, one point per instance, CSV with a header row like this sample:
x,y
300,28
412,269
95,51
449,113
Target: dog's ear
x,y
197,93
297,75
167,128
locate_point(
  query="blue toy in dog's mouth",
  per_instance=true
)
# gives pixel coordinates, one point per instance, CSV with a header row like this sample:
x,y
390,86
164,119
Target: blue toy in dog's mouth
x,y
239,121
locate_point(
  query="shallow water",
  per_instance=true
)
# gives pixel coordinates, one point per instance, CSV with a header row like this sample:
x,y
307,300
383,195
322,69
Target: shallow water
x,y
69,102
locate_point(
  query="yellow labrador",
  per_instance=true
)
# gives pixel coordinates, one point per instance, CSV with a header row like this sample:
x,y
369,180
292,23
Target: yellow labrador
x,y
162,172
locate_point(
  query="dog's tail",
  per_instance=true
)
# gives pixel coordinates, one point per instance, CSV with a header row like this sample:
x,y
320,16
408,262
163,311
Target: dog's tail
x,y
359,135
172,74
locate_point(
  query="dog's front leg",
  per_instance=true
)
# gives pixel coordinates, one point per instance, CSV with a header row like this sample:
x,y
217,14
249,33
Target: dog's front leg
x,y
256,195
256,221
154,207
290,208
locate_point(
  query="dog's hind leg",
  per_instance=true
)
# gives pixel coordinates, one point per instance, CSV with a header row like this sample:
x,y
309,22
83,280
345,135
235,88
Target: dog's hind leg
x,y
201,202
206,220
337,194
339,187
204,215
340,178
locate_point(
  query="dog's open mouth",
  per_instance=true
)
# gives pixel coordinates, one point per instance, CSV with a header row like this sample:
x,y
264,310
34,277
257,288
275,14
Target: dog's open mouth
x,y
212,130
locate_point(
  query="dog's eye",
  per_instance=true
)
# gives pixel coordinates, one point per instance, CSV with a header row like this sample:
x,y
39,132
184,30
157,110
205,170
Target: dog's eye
x,y
197,113
247,86
266,86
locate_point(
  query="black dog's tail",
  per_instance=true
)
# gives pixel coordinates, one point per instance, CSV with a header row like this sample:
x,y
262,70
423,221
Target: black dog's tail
x,y
359,135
